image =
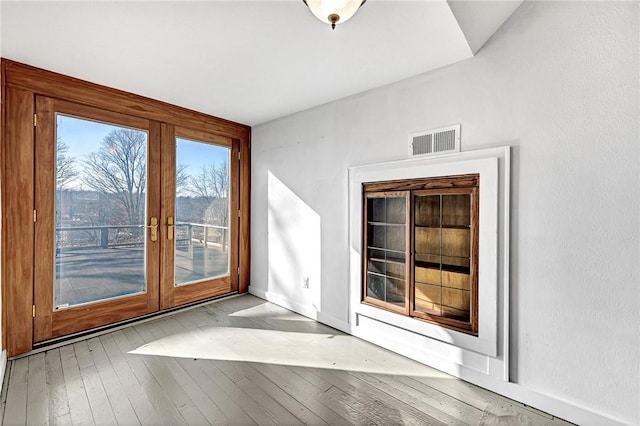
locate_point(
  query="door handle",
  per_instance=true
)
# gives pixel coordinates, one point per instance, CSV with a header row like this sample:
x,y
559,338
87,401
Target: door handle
x,y
170,228
154,228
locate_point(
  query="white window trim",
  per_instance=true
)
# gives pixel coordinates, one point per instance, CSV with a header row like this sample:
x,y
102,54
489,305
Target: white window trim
x,y
493,167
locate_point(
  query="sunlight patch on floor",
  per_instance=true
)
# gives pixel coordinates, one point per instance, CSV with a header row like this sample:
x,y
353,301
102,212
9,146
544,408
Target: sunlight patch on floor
x,y
317,350
268,311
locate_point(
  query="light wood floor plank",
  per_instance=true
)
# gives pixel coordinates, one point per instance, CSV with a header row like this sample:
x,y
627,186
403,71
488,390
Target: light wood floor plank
x,y
3,391
96,394
78,402
430,401
257,413
229,407
168,383
161,402
279,413
83,355
242,374
136,394
58,402
303,392
37,407
205,404
381,404
15,412
122,409
98,400
272,389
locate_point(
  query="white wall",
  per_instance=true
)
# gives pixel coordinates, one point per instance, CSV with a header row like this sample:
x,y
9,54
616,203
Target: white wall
x,y
559,83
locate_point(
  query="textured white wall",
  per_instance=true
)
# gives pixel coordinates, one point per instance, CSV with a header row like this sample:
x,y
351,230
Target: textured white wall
x,y
559,83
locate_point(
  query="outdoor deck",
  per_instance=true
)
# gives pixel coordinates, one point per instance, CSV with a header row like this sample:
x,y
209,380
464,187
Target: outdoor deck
x,y
93,273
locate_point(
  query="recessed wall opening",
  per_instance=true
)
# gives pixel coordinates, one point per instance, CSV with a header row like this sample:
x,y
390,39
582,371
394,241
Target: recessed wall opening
x,y
420,249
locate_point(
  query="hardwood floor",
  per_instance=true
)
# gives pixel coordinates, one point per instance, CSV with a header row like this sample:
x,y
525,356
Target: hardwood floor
x,y
242,361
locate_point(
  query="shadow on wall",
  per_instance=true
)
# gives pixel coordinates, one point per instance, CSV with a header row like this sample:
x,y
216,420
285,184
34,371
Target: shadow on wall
x,y
293,246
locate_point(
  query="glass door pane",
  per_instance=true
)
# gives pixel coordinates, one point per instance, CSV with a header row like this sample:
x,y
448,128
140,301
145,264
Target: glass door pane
x,y
100,211
202,213
443,255
386,277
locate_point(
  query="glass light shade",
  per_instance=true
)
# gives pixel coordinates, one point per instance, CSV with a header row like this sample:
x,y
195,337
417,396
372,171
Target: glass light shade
x,y
326,10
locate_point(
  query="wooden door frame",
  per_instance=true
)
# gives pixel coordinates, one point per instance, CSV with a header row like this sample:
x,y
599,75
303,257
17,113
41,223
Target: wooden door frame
x,y
20,84
48,323
170,295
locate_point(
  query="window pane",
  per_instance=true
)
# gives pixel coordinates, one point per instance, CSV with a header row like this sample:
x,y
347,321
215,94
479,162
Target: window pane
x,y
428,260
427,240
377,266
456,210
386,251
376,286
428,275
456,280
427,299
395,291
202,211
456,264
396,270
377,254
456,304
376,237
456,242
396,237
395,256
376,209
396,210
100,234
427,210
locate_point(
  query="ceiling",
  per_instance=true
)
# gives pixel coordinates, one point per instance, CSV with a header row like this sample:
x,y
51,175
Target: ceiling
x,y
246,61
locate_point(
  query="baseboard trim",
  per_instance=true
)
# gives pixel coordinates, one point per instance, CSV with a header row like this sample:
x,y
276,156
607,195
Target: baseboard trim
x,y
556,407
300,308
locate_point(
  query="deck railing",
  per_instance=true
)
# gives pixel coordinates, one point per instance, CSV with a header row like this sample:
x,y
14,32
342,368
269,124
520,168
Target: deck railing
x,y
187,236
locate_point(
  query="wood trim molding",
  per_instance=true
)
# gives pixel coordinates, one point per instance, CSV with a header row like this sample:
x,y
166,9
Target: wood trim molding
x,y
448,182
244,251
17,221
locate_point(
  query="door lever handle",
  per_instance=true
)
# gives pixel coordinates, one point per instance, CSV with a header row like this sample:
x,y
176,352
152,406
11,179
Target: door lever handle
x,y
170,228
153,226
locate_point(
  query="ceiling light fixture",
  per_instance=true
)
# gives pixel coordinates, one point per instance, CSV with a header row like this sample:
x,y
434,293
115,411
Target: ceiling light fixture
x,y
334,11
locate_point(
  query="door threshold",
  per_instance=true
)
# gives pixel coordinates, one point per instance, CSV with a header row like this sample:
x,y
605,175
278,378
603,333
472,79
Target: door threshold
x,y
99,331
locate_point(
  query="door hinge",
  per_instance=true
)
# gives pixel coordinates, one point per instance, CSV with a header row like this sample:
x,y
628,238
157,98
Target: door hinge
x,y
35,215
238,213
35,120
238,155
238,271
33,311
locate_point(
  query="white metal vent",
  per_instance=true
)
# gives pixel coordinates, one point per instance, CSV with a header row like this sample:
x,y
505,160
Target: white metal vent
x,y
444,140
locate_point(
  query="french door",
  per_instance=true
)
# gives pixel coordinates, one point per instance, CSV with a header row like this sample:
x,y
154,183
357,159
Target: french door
x,y
132,216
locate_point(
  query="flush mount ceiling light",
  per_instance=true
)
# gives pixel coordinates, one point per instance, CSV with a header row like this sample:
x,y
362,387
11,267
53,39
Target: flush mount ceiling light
x,y
334,11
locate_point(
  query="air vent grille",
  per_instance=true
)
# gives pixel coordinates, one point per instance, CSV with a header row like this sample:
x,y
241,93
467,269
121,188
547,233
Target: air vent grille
x,y
435,142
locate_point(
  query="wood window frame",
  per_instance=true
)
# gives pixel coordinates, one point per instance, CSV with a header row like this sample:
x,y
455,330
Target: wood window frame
x,y
21,84
370,300
455,184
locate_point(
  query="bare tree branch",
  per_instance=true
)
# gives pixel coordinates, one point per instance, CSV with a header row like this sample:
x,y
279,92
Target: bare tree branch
x,y
65,166
118,169
211,185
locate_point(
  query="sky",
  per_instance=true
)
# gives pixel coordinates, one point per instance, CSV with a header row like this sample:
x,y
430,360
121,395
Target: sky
x,y
84,137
